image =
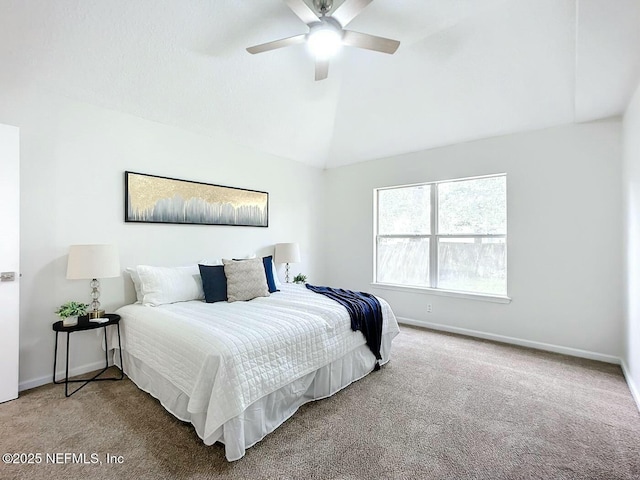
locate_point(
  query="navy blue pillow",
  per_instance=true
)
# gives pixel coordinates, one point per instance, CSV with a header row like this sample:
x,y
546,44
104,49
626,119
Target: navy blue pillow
x,y
214,283
268,270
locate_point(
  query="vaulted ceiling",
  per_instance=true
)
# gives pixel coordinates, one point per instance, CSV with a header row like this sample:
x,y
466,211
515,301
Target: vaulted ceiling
x,y
466,69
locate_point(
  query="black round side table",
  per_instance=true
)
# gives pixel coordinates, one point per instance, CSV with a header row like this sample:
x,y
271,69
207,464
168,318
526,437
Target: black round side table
x,y
85,324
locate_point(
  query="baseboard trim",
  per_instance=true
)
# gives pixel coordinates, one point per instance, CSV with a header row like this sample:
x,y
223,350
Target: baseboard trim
x,y
635,393
37,382
574,352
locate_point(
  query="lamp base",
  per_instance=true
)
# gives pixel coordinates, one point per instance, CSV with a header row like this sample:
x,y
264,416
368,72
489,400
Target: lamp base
x,y
95,314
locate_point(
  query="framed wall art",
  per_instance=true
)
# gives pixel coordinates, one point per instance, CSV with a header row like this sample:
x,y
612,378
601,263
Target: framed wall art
x,y
154,199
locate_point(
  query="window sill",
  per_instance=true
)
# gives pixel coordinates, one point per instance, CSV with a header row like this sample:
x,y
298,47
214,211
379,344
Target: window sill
x,y
444,293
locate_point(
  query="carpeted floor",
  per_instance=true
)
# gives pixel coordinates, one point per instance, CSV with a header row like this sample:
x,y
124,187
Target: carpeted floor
x,y
445,407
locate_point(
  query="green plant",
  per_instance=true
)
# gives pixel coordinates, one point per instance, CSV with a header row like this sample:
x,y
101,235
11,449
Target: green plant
x,y
72,309
300,278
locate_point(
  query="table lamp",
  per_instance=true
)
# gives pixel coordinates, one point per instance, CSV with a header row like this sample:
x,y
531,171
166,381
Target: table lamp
x,y
287,253
91,262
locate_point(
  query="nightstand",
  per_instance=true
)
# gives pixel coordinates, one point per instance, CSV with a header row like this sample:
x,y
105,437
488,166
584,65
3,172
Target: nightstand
x,y
83,325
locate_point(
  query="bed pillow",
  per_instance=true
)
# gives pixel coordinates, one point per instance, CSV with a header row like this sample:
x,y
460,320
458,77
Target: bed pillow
x,y
215,261
214,283
160,285
246,279
276,279
135,278
268,270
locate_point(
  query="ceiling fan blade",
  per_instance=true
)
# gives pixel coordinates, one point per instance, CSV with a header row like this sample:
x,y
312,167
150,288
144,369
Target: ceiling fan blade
x,y
349,10
322,68
369,42
284,42
303,11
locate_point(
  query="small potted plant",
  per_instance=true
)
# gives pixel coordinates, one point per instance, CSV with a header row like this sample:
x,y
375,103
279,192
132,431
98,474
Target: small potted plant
x,y
70,311
300,278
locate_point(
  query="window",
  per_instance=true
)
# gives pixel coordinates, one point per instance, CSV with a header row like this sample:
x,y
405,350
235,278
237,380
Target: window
x,y
444,235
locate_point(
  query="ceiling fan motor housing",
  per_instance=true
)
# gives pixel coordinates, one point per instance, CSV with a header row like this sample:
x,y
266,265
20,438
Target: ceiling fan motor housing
x,y
326,23
323,6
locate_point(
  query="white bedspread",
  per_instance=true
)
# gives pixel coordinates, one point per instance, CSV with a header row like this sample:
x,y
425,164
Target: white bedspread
x,y
225,356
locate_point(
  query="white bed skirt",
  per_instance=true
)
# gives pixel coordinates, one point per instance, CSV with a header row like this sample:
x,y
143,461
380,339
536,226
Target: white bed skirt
x,y
266,414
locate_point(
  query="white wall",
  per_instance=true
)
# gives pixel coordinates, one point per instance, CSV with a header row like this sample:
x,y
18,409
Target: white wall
x,y
565,265
631,188
73,158
564,241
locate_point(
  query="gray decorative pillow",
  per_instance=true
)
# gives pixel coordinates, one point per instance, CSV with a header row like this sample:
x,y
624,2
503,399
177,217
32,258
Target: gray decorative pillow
x,y
246,279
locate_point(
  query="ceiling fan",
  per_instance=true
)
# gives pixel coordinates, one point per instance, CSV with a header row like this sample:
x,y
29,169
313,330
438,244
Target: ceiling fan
x,y
327,34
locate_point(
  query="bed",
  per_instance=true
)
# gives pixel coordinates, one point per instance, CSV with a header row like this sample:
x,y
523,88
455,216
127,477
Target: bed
x,y
237,371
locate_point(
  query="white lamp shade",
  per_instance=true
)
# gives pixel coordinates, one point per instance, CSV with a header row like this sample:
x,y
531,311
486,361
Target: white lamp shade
x,y
287,253
93,261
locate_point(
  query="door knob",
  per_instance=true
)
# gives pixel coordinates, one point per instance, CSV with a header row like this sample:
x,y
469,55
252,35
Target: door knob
x,y
7,276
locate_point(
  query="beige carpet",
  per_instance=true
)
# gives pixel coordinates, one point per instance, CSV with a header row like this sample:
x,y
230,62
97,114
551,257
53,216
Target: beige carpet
x,y
445,407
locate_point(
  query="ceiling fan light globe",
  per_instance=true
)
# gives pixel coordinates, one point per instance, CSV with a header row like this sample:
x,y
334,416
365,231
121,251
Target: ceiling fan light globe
x,y
324,42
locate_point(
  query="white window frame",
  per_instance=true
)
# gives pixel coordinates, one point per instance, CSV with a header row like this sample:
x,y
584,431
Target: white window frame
x,y
434,238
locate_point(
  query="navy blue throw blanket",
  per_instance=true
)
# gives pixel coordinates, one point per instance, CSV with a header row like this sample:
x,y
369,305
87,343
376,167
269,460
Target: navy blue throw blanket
x,y
365,313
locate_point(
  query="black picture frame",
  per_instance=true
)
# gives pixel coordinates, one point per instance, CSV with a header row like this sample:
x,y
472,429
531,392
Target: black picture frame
x,y
157,199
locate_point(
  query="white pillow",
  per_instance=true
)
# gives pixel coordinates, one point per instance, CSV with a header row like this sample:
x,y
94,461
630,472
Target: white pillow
x,y
276,279
214,262
135,278
160,285
246,257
